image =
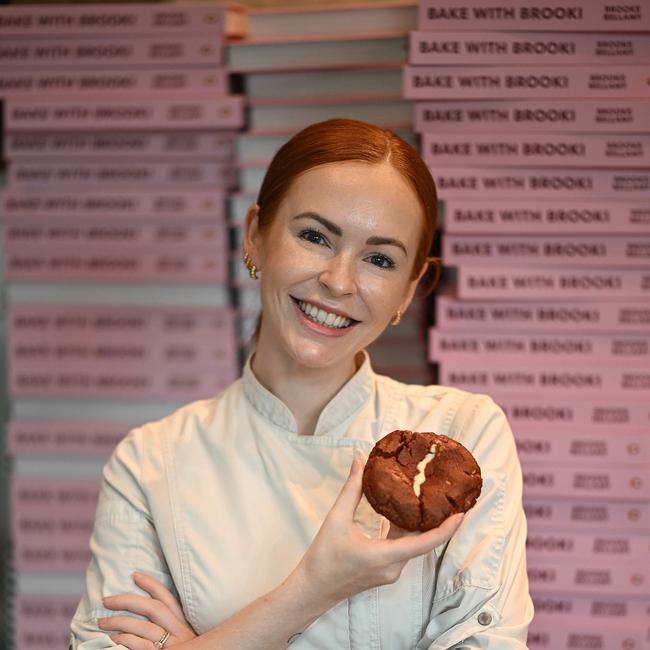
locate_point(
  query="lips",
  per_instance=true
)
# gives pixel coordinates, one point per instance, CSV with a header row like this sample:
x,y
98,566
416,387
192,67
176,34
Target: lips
x,y
323,316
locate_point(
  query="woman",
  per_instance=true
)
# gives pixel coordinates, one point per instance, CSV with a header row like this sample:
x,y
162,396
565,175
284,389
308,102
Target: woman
x,y
236,511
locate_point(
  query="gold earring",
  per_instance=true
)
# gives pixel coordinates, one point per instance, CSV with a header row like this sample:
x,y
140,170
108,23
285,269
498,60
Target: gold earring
x,y
252,269
397,318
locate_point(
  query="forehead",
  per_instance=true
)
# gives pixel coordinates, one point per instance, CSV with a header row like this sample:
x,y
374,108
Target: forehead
x,y
376,194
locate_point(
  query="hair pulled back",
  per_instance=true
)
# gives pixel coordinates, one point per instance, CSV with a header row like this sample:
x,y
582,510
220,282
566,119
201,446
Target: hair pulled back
x,y
343,140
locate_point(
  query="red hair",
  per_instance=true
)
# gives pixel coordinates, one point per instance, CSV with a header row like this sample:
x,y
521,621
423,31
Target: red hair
x,y
342,140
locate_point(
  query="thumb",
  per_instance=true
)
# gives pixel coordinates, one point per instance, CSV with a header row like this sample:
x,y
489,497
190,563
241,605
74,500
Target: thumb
x,y
350,495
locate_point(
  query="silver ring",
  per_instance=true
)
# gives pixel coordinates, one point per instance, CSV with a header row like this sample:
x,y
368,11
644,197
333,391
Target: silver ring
x,y
160,644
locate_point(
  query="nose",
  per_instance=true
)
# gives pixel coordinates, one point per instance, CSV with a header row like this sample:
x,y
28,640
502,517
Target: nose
x,y
339,275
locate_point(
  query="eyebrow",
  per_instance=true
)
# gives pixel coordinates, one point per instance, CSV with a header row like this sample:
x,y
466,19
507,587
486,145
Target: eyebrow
x,y
336,230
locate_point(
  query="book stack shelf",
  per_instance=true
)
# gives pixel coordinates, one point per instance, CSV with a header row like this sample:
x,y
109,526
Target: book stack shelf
x,y
303,65
119,144
535,122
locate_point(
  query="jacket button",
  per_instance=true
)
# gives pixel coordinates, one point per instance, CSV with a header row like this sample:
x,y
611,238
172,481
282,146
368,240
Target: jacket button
x,y
484,618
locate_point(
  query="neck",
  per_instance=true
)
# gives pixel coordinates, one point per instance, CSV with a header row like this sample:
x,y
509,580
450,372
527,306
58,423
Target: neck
x,y
305,391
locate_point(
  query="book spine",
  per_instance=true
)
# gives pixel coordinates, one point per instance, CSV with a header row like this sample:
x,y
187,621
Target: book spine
x,y
115,20
50,553
46,437
37,175
491,217
36,323
587,515
538,414
54,53
543,250
91,83
573,547
545,349
150,114
542,183
159,204
514,82
526,48
536,150
551,15
551,481
109,145
589,578
164,237
528,116
590,382
43,620
582,449
125,383
630,317
41,496
46,265
487,283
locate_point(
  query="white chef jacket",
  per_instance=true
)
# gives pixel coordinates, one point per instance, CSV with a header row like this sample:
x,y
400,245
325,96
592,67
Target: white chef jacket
x,y
220,500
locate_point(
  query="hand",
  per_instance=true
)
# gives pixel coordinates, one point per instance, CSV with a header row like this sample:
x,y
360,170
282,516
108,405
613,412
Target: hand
x,y
161,610
342,561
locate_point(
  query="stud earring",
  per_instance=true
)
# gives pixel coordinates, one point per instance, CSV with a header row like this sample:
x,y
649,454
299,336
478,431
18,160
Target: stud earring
x,y
252,269
397,318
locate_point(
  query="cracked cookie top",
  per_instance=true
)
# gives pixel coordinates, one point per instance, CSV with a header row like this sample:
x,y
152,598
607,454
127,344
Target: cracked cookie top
x,y
416,479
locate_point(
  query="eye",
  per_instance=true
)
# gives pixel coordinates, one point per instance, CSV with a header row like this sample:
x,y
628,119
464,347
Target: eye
x,y
382,261
313,236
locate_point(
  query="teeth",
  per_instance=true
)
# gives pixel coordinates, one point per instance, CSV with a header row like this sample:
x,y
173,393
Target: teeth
x,y
323,317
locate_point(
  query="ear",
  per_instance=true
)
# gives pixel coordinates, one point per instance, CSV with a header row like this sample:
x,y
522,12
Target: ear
x,y
411,287
252,232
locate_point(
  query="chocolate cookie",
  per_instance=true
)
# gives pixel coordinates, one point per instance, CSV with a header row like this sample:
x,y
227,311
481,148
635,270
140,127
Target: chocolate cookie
x,y
417,479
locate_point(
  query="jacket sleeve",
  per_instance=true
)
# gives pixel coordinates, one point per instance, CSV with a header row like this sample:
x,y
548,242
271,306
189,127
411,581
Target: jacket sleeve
x,y
481,597
123,540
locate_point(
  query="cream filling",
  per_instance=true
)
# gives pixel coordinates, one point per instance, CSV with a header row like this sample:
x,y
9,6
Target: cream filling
x,y
419,477
323,317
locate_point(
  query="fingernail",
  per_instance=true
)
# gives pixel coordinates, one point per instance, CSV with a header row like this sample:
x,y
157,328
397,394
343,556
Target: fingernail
x,y
135,575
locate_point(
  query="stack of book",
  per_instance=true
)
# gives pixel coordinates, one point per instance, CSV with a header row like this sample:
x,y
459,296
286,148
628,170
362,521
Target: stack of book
x,y
303,65
120,144
535,122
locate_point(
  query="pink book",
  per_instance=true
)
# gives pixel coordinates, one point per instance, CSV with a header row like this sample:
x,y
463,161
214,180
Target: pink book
x,y
493,283
39,85
560,381
546,349
161,146
555,609
148,113
526,48
552,481
126,383
37,176
589,576
99,51
535,150
41,263
212,19
584,633
625,317
545,514
43,496
561,414
579,449
629,251
159,204
533,116
580,217
553,16
170,236
47,437
529,82
543,183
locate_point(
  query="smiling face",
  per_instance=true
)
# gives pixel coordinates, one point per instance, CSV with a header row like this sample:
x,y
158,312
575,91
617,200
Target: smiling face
x,y
336,262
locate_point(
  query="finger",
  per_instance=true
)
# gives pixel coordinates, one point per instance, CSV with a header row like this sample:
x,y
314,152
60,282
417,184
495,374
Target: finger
x,y
408,547
350,495
131,625
151,609
158,591
131,641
